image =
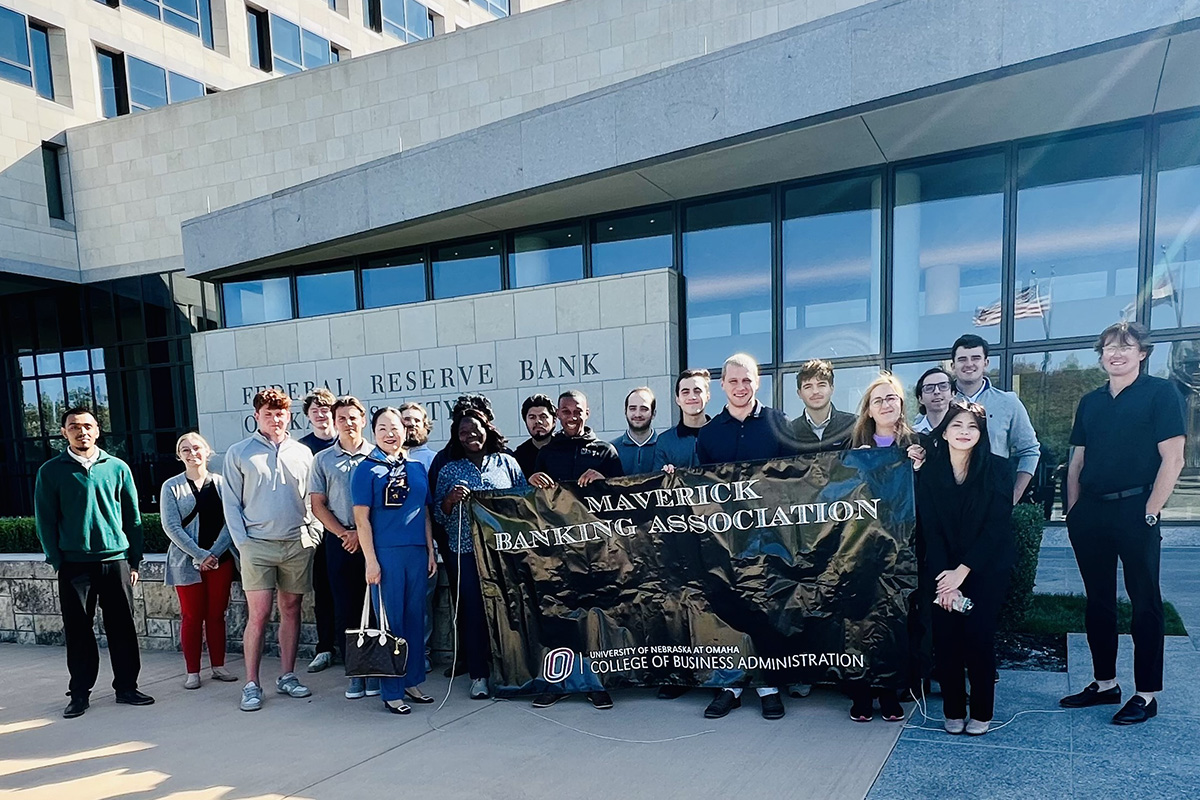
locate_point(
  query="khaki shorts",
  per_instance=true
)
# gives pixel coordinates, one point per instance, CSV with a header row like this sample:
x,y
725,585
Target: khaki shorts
x,y
286,565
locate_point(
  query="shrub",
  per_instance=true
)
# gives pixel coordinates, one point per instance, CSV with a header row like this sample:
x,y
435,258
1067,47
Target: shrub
x,y
19,535
1028,524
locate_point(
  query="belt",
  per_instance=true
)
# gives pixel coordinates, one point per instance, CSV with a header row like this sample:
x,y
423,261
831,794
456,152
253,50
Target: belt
x,y
1127,493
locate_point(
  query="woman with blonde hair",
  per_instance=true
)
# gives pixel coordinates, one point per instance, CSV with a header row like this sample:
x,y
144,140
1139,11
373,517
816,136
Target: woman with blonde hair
x,y
882,423
200,559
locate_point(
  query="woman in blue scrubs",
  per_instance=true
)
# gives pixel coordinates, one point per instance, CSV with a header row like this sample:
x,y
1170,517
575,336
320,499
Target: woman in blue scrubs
x,y
391,509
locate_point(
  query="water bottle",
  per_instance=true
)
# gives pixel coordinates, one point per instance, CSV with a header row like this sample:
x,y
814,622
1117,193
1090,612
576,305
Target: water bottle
x,y
962,605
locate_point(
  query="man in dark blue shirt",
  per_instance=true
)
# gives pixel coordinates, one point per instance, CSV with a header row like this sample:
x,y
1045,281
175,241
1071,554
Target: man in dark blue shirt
x,y
1128,443
745,430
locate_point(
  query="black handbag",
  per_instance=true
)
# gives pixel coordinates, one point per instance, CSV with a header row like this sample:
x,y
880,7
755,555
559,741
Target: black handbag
x,y
375,652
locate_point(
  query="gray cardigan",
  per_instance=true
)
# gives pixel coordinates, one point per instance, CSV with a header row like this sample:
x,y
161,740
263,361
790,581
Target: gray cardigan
x,y
185,553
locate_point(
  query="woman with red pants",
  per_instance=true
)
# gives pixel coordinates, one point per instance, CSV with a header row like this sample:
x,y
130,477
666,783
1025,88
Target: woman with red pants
x,y
200,558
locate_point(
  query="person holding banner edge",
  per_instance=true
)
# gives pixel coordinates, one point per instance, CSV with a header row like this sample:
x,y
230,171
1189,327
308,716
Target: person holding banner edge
x,y
676,447
882,423
964,519
574,454
479,462
391,512
745,430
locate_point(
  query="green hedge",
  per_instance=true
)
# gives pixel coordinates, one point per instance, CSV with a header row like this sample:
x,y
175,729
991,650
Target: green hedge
x,y
1028,523
19,535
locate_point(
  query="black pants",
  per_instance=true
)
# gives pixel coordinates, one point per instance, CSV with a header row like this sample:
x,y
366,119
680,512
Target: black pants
x,y
327,640
472,617
1101,532
81,585
966,643
348,585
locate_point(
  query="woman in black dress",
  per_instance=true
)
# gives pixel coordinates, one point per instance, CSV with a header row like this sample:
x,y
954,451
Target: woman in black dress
x,y
964,516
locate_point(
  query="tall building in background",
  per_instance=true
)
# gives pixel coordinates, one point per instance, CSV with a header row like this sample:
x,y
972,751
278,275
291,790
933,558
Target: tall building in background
x,y
594,193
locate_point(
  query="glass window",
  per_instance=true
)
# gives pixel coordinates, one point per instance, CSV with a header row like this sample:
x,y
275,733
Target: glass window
x,y
316,50
147,84
1078,211
52,399
181,87
849,383
1177,228
466,269
49,363
1179,362
498,8
633,243
112,90
407,20
257,23
727,263
285,45
75,361
831,272
54,188
326,293
253,302
947,247
1050,385
549,256
393,281
29,401
15,64
39,45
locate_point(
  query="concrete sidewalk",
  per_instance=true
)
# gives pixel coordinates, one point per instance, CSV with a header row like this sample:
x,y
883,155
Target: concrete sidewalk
x,y
197,745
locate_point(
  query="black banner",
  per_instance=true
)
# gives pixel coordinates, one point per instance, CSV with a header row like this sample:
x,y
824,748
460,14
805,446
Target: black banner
x,y
792,570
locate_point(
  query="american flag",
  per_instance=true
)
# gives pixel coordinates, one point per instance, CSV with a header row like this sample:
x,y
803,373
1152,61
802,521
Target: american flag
x,y
1028,303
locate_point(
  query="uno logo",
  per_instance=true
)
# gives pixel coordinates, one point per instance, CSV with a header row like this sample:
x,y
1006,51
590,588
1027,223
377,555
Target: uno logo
x,y
558,664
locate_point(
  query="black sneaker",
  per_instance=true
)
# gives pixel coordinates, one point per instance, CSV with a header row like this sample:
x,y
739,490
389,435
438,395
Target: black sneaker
x,y
772,706
722,704
1092,696
134,698
547,699
75,708
600,700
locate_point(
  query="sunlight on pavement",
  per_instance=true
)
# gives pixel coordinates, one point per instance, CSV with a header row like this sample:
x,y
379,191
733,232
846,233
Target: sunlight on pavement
x,y
27,725
93,787
13,766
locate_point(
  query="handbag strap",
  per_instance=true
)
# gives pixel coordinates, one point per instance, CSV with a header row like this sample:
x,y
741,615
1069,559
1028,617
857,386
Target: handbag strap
x,y
383,620
191,515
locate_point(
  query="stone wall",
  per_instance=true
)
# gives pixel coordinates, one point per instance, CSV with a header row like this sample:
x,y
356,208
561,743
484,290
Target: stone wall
x,y
30,614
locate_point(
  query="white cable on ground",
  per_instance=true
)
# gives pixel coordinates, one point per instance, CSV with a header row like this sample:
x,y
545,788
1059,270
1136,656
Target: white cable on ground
x,y
923,704
457,590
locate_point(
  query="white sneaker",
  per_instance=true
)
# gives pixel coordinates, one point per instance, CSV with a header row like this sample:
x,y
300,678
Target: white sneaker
x,y
251,697
977,728
955,726
192,681
321,662
479,689
290,685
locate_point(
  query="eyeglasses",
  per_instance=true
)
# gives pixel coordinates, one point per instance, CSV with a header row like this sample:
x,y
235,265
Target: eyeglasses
x,y
886,400
1123,349
930,388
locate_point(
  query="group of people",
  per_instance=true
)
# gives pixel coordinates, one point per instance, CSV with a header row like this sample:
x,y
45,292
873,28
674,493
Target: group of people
x,y
364,522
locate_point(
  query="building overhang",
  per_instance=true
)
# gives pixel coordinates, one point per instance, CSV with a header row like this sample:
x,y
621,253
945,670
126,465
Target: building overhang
x,y
888,82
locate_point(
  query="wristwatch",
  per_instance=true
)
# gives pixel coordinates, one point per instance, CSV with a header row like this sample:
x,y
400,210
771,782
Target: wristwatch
x,y
1152,520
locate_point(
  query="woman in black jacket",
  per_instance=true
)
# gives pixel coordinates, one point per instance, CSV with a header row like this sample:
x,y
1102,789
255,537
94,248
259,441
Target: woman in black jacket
x,y
964,516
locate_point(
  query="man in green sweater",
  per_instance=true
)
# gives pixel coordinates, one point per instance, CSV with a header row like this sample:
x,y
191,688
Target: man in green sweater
x,y
88,521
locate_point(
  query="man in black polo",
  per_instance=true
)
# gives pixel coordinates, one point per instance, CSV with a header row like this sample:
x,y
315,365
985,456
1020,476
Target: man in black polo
x,y
745,430
574,454
1128,452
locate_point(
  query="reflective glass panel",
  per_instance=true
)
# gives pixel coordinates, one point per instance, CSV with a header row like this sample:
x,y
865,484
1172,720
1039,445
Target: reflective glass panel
x,y
316,50
727,263
49,364
100,382
831,273
51,398
43,81
14,48
183,88
252,302
633,243
849,383
466,269
549,256
29,399
147,84
108,83
79,391
393,281
1179,362
1078,210
1175,296
1050,385
947,245
285,44
75,361
326,293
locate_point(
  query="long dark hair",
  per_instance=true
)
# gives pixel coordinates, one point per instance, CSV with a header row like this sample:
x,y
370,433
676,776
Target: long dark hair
x,y
493,441
979,463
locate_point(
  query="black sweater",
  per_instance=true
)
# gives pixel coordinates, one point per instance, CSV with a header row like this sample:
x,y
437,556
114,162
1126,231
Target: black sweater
x,y
564,458
969,524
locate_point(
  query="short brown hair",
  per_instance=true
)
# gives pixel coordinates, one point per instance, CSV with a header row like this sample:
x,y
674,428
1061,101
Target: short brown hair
x,y
815,368
272,398
418,407
692,373
318,397
348,401
1134,332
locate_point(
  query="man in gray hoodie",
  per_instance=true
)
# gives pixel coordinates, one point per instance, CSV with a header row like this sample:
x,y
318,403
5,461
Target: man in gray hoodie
x,y
268,513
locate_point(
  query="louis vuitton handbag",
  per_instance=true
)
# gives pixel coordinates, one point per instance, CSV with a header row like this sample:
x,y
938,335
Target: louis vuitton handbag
x,y
374,652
